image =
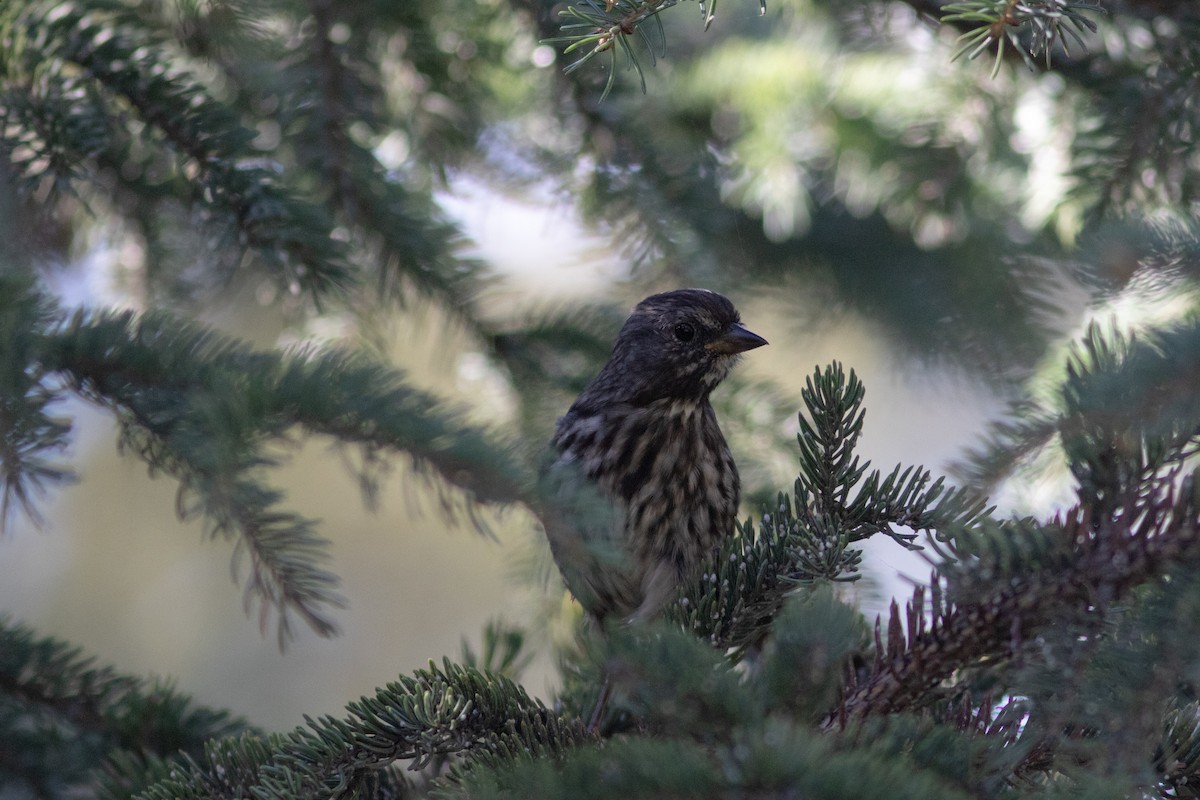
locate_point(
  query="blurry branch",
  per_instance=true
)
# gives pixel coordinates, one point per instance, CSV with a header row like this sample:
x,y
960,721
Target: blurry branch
x,y
28,430
207,410
1145,382
51,128
58,707
1135,154
1135,362
1008,442
314,209
503,652
405,233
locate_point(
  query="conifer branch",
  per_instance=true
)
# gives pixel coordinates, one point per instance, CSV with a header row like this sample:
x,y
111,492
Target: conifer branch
x,y
1178,759
830,472
999,24
28,432
412,243
449,710
1121,390
121,64
1023,430
777,759
58,706
1080,563
807,538
204,409
1133,156
611,29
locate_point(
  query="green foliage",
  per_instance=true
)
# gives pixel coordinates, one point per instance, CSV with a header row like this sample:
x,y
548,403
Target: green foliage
x,y
798,696
812,641
672,682
808,537
62,716
834,156
830,471
30,433
281,175
777,760
503,652
211,413
999,24
437,712
1126,407
996,24
118,67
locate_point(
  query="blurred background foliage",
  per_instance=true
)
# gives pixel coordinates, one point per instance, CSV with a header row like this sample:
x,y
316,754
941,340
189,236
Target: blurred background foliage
x,y
423,183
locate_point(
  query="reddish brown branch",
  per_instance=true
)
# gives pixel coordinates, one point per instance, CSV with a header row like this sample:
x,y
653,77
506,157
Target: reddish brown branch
x,y
1108,558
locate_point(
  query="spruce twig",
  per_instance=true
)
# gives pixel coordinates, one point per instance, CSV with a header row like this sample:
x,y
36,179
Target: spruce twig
x,y
442,710
1082,558
807,538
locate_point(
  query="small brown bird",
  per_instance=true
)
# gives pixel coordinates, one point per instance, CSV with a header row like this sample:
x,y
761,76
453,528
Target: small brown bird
x,y
642,483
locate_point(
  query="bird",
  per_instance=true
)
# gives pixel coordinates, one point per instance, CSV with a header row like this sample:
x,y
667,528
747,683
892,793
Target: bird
x,y
640,483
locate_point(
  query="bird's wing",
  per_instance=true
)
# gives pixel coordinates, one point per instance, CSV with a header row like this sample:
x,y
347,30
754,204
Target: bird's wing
x,y
586,530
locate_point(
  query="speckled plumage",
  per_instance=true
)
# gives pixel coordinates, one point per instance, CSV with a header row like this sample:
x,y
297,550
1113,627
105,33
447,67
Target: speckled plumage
x,y
643,484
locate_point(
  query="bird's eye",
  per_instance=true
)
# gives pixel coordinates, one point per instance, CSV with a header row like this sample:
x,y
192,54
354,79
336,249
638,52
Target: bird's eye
x,y
684,332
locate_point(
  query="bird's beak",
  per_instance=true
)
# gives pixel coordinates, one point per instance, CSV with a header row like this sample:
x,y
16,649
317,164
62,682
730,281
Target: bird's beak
x,y
735,340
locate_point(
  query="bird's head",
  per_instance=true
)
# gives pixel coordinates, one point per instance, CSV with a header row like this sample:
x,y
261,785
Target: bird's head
x,y
676,344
